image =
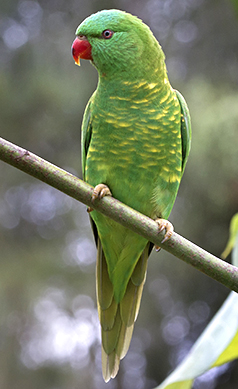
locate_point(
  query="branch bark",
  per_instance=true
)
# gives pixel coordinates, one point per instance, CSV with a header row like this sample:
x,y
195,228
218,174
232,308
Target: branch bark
x,y
67,183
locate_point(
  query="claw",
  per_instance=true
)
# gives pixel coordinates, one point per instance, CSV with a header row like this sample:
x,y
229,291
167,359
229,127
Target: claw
x,y
157,248
100,191
168,227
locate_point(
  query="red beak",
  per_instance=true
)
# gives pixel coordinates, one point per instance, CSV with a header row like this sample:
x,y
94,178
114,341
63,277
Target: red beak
x,y
81,48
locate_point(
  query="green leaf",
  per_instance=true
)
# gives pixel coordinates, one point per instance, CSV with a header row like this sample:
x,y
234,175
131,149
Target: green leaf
x,y
231,242
220,336
179,385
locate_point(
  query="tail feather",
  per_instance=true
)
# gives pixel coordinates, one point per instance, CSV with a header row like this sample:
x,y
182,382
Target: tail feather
x,y
117,319
139,272
110,337
107,316
104,285
124,341
110,365
130,303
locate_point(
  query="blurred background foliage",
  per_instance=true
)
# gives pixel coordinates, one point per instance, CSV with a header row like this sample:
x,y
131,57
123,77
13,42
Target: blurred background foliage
x,y
49,334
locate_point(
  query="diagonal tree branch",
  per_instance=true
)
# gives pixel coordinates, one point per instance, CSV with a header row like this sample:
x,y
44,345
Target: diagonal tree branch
x,y
52,175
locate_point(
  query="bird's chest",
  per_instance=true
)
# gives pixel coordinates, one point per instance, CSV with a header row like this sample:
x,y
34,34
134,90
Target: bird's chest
x,y
131,149
121,145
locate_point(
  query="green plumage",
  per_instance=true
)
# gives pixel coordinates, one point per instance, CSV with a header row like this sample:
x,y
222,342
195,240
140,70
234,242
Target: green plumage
x,y
136,140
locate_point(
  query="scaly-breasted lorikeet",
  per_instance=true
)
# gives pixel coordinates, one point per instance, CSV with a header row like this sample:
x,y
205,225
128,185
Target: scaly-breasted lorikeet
x,y
135,144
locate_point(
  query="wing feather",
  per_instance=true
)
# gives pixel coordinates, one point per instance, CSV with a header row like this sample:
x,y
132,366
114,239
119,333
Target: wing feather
x,y
86,133
186,131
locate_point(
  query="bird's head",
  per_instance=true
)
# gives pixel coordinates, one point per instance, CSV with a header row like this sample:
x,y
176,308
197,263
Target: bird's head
x,y
116,42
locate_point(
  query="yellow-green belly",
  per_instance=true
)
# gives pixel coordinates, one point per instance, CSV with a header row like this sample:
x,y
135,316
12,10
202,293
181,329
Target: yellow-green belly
x,y
139,161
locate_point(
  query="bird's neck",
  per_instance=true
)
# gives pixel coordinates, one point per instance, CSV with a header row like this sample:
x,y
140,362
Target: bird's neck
x,y
139,87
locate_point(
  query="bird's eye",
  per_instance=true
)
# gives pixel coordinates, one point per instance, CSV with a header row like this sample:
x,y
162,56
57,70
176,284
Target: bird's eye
x,y
82,37
107,34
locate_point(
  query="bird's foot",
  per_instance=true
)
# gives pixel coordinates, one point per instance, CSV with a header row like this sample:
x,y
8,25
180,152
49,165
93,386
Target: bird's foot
x,y
100,191
168,227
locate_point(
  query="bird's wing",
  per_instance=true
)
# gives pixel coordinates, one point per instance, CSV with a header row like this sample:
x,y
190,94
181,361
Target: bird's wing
x,y
185,129
86,133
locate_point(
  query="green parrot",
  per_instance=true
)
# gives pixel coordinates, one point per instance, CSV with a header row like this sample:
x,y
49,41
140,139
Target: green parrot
x,y
136,136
